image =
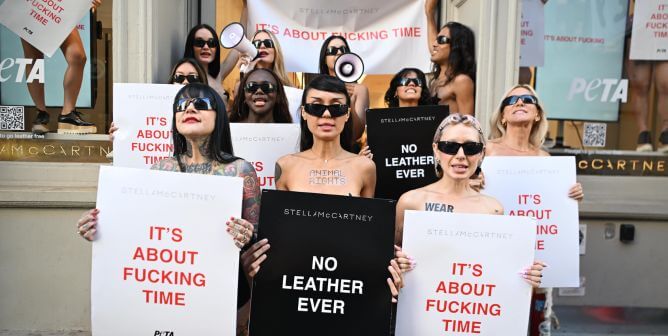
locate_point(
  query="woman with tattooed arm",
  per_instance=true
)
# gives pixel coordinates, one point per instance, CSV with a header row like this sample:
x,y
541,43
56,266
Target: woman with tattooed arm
x,y
203,145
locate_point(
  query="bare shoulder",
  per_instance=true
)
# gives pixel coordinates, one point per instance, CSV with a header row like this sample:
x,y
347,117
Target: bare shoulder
x,y
288,160
412,199
491,204
362,163
462,80
166,164
492,147
542,152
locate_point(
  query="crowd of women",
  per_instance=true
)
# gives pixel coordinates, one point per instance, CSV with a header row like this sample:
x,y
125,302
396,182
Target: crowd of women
x,y
332,117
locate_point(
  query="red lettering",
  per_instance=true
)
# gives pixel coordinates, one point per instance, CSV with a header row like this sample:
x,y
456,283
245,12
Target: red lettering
x,y
164,298
540,244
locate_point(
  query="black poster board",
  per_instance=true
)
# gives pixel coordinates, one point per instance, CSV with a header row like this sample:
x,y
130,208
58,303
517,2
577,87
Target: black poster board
x,y
400,139
326,269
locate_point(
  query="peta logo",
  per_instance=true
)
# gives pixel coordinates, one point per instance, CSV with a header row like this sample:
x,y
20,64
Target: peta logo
x,y
606,90
37,71
163,333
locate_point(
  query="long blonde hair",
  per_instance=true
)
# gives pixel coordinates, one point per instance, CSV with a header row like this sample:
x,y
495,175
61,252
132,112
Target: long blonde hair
x,y
538,129
278,66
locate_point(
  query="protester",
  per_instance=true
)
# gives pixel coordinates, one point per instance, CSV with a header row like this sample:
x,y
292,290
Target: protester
x,y
333,47
261,100
459,146
203,145
270,56
325,145
453,69
518,128
70,120
407,88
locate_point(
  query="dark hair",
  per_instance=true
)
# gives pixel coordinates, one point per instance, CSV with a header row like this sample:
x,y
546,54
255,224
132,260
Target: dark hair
x,y
322,62
240,110
214,67
462,53
220,141
330,84
200,72
391,98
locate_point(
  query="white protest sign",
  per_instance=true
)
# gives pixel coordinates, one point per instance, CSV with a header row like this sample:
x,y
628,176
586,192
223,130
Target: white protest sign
x,y
162,259
538,187
387,34
649,37
43,23
467,277
294,96
262,145
532,33
143,114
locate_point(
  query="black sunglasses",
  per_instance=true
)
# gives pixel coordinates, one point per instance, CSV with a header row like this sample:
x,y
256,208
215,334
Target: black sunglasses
x,y
526,99
200,103
252,87
406,81
199,43
442,39
267,43
331,51
318,110
452,148
191,79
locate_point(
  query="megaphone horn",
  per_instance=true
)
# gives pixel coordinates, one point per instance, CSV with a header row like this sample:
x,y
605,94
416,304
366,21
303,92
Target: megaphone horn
x,y
233,37
349,67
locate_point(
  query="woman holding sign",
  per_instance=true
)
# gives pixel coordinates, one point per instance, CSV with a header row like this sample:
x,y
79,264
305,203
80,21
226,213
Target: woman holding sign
x,y
408,88
459,146
325,165
332,48
203,145
262,99
453,55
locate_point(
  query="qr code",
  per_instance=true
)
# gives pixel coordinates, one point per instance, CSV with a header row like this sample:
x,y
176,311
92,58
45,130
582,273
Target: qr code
x,y
594,134
12,118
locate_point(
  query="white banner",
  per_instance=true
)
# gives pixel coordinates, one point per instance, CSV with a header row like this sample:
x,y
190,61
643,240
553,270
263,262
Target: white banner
x,y
143,113
163,262
538,187
262,145
44,24
467,280
532,33
387,34
649,38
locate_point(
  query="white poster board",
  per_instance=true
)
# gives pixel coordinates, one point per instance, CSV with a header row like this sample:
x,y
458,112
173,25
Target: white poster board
x,y
44,24
143,114
387,34
532,33
649,37
262,145
162,259
538,187
466,281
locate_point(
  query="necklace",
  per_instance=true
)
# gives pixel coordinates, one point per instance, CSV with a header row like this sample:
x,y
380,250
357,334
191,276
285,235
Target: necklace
x,y
325,160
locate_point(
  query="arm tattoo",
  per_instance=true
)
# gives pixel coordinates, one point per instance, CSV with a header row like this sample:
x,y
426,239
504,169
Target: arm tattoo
x,y
251,198
277,172
168,164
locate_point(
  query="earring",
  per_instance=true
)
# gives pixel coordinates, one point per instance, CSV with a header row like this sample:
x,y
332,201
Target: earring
x,y
503,122
437,166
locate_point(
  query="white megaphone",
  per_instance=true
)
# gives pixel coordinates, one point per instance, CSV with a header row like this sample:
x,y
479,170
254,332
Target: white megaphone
x,y
233,37
349,67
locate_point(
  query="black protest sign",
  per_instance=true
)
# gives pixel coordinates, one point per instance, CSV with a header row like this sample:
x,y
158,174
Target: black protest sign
x,y
400,140
326,269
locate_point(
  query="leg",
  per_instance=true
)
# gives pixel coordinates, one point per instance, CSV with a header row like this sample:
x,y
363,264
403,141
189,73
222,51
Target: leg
x,y
36,90
640,74
75,55
661,80
70,120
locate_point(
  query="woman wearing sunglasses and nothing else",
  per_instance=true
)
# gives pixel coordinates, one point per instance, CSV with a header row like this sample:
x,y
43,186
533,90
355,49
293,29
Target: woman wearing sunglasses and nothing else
x,y
518,128
325,164
261,100
459,146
